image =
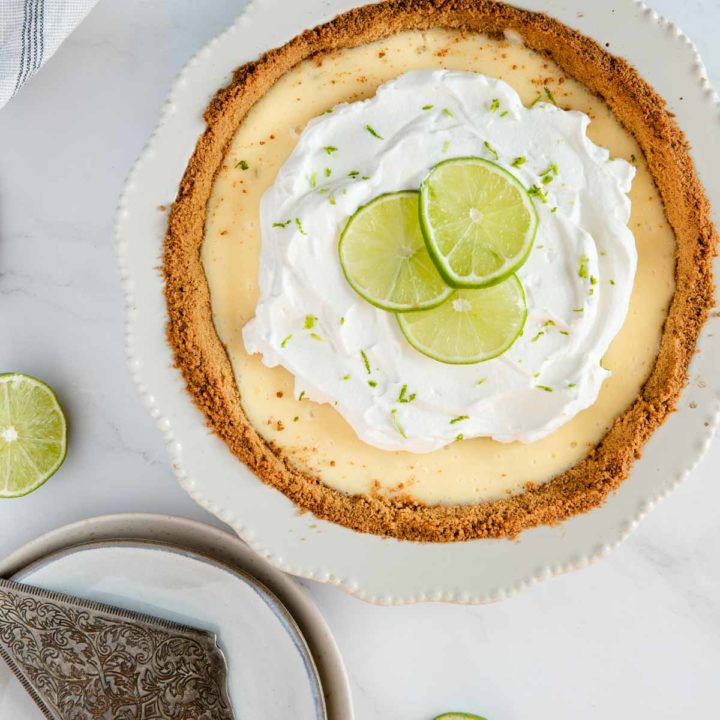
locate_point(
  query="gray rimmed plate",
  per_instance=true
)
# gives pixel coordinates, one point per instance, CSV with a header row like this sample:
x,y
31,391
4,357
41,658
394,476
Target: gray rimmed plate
x,y
130,564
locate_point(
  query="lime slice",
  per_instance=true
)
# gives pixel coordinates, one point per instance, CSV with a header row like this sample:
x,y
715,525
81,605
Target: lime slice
x,y
473,326
33,434
384,257
478,220
458,716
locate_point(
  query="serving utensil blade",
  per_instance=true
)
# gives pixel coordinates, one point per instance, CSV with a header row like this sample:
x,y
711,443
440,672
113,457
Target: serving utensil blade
x,y
84,660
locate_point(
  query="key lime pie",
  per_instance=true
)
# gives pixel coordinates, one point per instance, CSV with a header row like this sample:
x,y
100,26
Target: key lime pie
x,y
436,270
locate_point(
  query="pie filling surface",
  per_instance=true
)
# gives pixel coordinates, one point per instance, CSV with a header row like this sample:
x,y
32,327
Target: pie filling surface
x,y
313,437
478,487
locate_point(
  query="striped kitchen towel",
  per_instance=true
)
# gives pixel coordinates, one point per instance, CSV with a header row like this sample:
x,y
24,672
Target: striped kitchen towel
x,y
30,32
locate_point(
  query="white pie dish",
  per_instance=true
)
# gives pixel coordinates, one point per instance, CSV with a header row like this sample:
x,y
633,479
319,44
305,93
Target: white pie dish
x,y
373,568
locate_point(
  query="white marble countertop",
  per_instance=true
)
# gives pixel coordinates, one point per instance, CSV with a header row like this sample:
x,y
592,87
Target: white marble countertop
x,y
634,636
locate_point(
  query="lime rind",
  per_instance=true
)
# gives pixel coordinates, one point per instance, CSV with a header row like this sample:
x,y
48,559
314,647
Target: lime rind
x,y
468,240
39,444
473,326
384,256
459,716
443,259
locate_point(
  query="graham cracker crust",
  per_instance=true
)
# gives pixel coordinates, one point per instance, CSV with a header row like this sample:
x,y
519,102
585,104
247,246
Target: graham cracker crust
x,y
202,358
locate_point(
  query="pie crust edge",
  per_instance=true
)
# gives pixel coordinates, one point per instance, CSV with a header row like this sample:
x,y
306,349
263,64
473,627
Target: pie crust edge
x,y
202,358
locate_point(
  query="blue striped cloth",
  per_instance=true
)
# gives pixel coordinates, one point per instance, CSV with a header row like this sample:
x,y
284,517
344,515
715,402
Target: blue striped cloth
x,y
30,32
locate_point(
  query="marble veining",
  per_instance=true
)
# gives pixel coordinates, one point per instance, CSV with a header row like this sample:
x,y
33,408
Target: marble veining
x,y
636,635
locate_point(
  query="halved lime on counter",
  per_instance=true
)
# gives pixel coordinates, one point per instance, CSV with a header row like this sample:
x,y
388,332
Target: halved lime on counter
x,y
459,716
385,259
471,327
33,434
478,221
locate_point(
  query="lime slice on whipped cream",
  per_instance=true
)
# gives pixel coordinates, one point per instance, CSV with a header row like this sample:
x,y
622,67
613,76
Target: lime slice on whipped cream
x,y
474,325
33,434
384,257
458,716
478,220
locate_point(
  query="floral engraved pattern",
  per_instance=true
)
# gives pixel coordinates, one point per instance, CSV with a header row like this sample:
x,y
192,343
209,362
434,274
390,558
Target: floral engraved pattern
x,y
80,661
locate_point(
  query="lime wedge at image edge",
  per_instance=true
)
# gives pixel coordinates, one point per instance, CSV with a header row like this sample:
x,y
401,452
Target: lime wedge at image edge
x,y
33,434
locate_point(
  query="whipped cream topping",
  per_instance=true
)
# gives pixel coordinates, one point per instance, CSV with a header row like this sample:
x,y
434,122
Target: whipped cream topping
x,y
577,279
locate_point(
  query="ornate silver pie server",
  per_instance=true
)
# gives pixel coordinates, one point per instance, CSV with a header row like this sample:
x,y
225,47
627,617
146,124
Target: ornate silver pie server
x,y
81,660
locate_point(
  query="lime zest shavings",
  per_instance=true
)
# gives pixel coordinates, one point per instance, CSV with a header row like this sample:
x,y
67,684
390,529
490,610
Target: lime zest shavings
x,y
366,362
403,397
491,149
536,192
396,423
582,269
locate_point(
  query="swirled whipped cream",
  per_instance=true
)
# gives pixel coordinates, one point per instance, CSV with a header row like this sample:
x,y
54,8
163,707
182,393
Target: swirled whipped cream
x,y
578,278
